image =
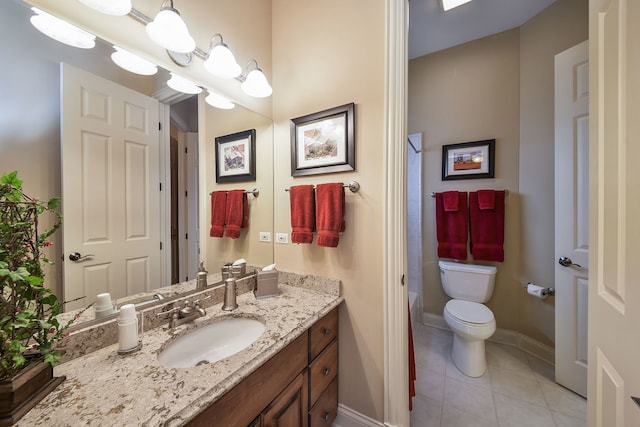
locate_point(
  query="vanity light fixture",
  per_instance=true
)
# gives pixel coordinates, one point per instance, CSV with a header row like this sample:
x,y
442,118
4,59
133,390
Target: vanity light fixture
x,y
109,7
183,85
219,101
254,82
220,60
62,31
133,63
450,4
169,31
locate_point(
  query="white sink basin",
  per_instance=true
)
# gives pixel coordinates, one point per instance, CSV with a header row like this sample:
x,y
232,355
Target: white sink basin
x,y
211,343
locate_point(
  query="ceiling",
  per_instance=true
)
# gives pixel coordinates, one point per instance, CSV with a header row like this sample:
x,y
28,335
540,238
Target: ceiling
x,y
431,29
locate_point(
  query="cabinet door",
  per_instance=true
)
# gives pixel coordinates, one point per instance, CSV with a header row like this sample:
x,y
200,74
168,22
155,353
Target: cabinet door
x,y
289,409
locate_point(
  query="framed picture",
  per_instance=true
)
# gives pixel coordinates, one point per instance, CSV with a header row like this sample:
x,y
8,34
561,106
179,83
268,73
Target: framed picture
x,y
468,160
323,142
235,157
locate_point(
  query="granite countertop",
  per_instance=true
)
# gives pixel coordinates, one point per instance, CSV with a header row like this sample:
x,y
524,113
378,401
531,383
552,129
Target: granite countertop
x,y
104,388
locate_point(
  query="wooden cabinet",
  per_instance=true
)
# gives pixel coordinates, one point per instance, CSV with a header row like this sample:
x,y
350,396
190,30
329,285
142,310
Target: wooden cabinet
x,y
289,409
298,387
323,370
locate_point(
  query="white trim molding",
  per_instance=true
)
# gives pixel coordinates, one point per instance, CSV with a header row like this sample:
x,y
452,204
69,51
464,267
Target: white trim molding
x,y
396,372
503,336
347,417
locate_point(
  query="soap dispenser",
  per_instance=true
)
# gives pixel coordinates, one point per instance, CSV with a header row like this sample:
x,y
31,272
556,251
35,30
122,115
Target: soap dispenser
x,y
201,280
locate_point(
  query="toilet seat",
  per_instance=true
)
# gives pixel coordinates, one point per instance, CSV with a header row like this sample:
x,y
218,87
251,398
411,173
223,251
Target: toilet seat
x,y
469,312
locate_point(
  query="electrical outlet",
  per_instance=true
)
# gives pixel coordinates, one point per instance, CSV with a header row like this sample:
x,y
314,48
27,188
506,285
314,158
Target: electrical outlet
x,y
265,236
282,238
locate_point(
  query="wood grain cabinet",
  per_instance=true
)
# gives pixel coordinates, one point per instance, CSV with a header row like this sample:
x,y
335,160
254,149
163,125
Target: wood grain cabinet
x,y
298,387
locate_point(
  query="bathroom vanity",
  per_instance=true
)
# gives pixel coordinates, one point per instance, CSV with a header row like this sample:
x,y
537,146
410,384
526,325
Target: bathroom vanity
x,y
288,374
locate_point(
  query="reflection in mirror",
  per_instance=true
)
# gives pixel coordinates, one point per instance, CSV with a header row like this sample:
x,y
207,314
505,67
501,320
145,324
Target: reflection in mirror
x,y
31,143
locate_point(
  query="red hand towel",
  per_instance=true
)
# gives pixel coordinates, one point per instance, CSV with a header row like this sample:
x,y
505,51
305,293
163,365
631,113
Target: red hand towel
x,y
237,213
450,200
487,229
218,212
329,213
486,199
452,228
303,213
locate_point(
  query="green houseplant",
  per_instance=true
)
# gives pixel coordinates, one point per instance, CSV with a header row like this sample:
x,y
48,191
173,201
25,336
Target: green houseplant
x,y
28,309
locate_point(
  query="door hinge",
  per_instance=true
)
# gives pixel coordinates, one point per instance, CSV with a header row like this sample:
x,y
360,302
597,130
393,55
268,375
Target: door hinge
x,y
159,126
186,150
160,186
186,236
186,194
402,280
160,245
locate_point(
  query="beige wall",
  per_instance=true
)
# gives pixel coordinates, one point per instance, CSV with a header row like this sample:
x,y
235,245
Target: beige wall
x,y
559,27
469,93
499,87
222,250
327,54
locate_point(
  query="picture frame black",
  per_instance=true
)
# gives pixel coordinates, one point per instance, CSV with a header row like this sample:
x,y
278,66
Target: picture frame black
x,y
469,160
324,142
235,157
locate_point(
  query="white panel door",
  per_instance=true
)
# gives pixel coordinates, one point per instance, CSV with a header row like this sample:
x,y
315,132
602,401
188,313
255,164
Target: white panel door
x,y
110,194
572,216
614,238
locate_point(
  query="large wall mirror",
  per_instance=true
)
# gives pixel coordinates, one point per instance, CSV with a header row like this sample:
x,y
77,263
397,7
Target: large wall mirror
x,y
32,142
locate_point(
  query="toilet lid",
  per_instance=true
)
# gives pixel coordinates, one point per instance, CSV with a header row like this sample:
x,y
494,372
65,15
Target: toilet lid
x,y
468,311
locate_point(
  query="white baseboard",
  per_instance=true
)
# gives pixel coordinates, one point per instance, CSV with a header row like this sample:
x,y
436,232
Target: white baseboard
x,y
502,336
347,417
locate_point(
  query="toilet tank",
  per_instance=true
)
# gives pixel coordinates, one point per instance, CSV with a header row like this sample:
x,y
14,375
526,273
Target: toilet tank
x,y
467,281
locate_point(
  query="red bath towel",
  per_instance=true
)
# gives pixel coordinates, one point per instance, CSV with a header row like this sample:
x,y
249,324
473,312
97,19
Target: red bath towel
x,y
452,228
487,228
450,200
303,213
486,199
237,213
329,213
218,213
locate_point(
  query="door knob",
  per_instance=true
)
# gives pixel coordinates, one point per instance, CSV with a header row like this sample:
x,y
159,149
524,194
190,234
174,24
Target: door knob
x,y
566,262
75,256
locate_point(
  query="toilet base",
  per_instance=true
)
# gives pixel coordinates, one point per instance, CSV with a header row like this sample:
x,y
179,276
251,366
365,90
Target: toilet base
x,y
469,356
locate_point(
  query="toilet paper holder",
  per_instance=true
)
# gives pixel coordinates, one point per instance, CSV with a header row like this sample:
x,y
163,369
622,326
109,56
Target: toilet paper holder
x,y
545,291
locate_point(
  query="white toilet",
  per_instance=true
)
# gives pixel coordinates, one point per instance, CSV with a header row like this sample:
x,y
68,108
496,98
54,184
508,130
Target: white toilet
x,y
471,321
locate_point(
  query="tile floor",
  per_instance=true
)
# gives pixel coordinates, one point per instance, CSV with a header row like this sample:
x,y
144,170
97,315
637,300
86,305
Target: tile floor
x,y
516,391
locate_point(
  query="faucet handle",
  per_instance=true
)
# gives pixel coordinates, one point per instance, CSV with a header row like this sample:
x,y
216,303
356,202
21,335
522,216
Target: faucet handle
x,y
196,303
168,312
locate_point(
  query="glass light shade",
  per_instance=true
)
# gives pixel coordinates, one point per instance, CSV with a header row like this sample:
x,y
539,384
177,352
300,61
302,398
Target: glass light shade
x,y
169,31
130,62
256,84
61,30
221,63
219,101
183,85
109,7
450,4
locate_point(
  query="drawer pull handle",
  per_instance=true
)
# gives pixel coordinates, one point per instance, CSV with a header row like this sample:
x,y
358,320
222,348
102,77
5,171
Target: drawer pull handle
x,y
327,371
326,416
327,331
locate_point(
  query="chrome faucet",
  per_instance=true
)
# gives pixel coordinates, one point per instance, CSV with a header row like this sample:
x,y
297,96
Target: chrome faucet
x,y
230,294
187,313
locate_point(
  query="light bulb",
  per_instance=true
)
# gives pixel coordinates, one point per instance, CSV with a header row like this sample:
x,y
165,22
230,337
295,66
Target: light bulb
x,y
183,85
109,7
133,63
169,31
61,30
256,84
221,63
219,101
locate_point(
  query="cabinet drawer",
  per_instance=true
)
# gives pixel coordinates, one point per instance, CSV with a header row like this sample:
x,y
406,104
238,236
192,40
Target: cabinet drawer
x,y
326,408
322,333
323,370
